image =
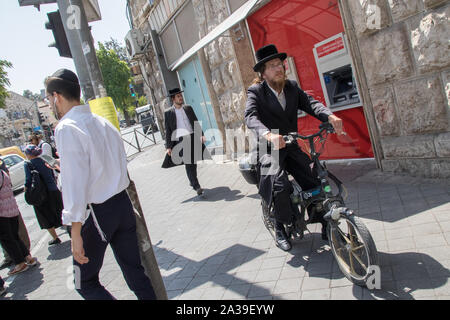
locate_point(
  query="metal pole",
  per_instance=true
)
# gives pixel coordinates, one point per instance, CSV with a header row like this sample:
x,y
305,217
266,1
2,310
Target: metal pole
x,y
77,52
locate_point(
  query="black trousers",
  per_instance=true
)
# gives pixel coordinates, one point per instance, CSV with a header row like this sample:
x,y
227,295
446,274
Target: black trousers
x,y
295,162
191,171
10,239
190,158
117,221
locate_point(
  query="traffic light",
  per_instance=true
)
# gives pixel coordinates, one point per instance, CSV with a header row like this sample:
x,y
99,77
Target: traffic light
x,y
133,94
55,24
41,117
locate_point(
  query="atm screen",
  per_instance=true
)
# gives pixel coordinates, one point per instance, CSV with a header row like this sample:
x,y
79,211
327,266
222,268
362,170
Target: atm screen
x,y
341,88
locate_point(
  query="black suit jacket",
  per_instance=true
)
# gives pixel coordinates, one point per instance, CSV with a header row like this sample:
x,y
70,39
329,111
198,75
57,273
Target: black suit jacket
x,y
263,112
170,120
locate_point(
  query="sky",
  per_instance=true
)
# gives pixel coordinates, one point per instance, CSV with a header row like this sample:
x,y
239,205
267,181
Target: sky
x,y
24,40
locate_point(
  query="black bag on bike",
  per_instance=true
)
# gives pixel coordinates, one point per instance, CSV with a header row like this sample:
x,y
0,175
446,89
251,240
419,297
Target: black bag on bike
x,y
37,193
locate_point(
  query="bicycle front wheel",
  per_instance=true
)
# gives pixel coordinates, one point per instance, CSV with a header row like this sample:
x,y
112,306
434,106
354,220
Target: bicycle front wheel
x,y
354,249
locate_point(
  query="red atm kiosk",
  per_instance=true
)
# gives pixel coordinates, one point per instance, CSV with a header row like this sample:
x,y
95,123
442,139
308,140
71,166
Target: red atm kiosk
x,y
312,34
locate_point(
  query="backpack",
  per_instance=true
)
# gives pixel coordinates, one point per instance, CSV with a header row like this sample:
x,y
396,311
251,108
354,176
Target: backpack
x,y
37,193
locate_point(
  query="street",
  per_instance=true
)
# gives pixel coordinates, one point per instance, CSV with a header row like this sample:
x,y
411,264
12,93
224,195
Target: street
x,y
217,247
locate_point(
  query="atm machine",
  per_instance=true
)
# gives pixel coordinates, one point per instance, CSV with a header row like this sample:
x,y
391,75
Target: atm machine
x,y
335,69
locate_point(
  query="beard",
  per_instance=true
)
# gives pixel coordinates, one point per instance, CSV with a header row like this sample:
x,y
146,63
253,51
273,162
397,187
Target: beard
x,y
278,83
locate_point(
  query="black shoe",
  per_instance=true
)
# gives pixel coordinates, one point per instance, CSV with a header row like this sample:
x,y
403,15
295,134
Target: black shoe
x,y
6,264
281,239
54,241
199,191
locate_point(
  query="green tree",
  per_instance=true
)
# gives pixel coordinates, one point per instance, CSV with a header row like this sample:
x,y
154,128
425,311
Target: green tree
x,y
4,81
117,77
113,44
30,95
142,101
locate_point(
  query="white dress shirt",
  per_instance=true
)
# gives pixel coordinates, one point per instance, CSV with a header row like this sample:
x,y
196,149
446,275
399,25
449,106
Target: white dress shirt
x,y
281,99
184,127
280,96
93,162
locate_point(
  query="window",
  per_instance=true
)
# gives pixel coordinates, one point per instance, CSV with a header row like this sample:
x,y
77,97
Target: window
x,y
16,159
170,44
8,161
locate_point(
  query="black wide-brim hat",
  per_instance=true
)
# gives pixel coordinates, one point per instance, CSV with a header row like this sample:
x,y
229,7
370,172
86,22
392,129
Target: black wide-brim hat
x,y
174,91
267,53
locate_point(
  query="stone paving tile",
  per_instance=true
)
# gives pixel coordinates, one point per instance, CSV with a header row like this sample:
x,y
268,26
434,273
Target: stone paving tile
x,y
352,292
316,282
417,288
322,294
268,275
213,293
401,244
432,240
261,289
441,286
236,292
219,249
270,263
287,296
292,285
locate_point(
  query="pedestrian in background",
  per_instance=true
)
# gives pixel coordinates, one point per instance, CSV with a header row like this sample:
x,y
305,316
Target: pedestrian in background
x,y
182,127
9,228
23,233
94,175
36,139
49,213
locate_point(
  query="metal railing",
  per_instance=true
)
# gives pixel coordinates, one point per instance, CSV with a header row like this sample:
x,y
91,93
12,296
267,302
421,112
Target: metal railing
x,y
139,140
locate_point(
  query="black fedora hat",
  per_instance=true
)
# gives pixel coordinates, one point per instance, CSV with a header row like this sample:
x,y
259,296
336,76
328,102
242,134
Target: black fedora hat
x,y
267,53
174,91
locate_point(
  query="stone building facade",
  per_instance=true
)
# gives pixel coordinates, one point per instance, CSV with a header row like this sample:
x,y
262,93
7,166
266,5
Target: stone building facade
x,y
402,52
221,64
17,120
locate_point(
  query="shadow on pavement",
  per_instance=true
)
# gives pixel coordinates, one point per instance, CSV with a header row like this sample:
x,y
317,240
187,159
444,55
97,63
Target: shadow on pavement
x,y
194,274
217,194
404,276
60,251
24,283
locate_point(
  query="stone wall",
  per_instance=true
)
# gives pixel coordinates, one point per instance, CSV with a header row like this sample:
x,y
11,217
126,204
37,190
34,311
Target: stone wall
x,y
20,123
405,53
221,57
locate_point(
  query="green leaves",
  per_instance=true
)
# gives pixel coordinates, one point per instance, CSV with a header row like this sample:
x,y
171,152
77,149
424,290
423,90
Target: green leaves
x,y
4,81
116,77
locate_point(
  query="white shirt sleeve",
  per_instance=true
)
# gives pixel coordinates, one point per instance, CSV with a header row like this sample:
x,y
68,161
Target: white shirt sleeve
x,y
74,176
47,149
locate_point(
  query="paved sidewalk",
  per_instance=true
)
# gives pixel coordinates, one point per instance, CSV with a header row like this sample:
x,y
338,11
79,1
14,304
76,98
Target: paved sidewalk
x,y
218,247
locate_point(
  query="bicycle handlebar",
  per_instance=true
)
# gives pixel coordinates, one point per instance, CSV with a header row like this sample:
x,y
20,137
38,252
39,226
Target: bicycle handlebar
x,y
292,136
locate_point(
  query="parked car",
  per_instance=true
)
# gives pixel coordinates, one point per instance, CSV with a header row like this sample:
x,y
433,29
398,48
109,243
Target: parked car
x,y
12,150
15,165
122,123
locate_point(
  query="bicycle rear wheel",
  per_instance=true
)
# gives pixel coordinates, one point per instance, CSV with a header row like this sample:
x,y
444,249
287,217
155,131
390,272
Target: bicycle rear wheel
x,y
353,248
268,219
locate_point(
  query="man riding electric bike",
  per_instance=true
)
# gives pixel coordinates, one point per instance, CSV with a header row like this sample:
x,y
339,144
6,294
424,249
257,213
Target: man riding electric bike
x,y
271,112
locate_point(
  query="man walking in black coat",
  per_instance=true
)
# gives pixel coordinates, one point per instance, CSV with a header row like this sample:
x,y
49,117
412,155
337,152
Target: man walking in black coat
x,y
184,138
271,112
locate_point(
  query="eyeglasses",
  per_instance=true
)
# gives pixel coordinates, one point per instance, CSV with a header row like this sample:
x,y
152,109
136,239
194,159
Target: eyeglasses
x,y
275,66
